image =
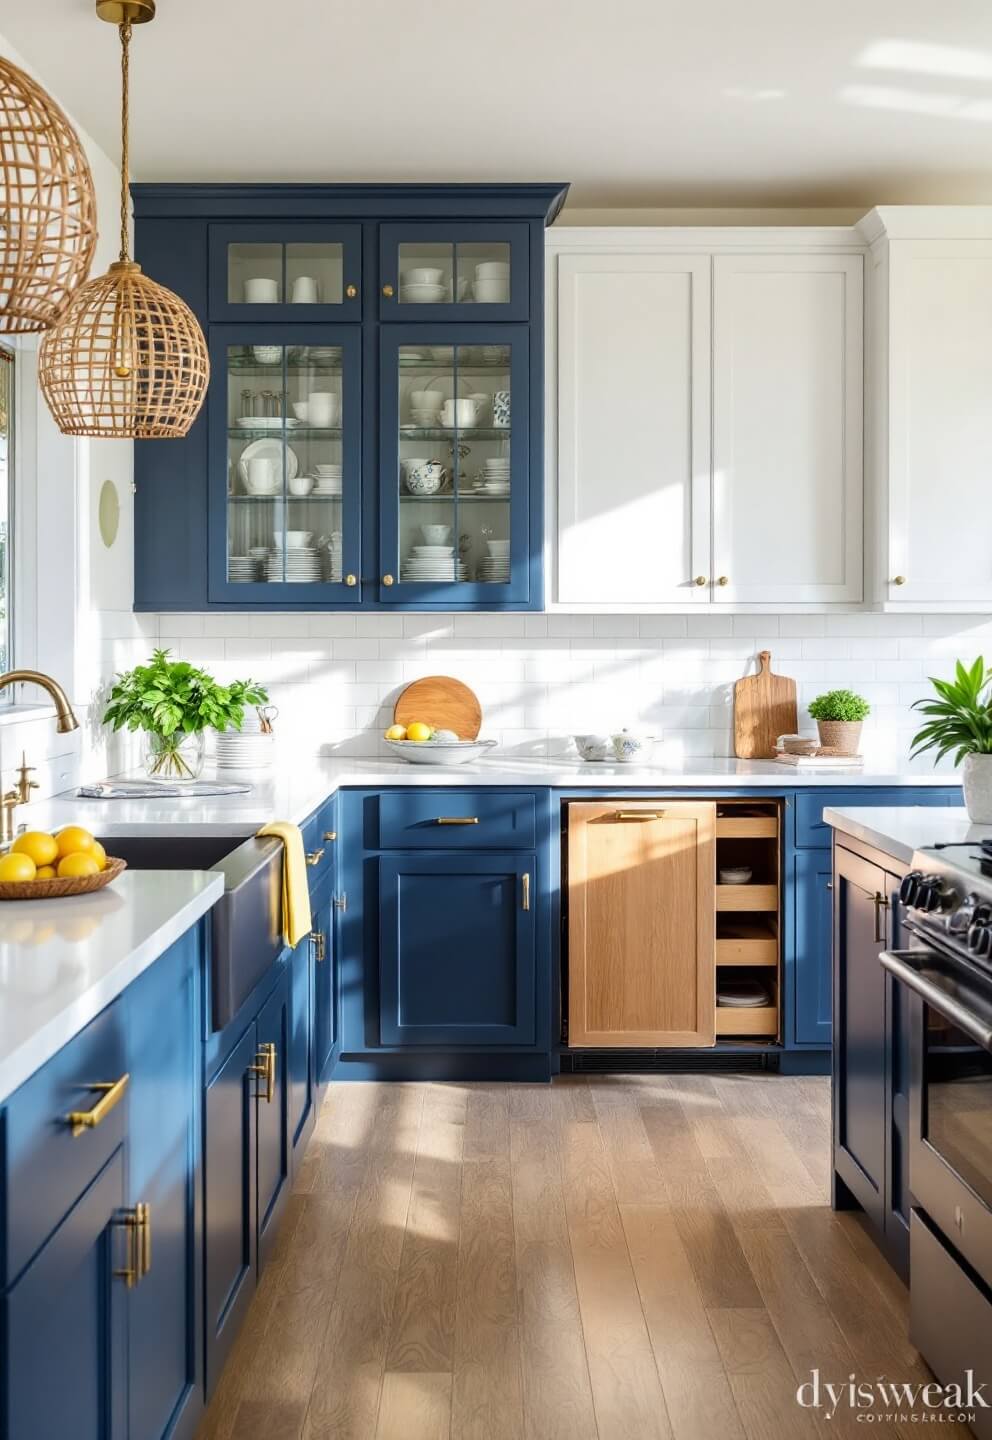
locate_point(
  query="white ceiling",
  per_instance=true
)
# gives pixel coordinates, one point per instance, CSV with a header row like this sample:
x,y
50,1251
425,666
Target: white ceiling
x,y
637,102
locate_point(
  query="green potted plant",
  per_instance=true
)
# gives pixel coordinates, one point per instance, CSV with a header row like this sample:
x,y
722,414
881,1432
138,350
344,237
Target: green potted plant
x,y
173,703
961,724
839,715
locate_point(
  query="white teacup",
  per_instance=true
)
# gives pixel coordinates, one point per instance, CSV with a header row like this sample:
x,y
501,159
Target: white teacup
x,y
301,410
261,475
324,407
459,412
261,291
301,485
493,270
425,478
305,291
492,292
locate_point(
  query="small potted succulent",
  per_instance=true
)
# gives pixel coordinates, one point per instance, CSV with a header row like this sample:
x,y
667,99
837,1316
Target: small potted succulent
x,y
173,703
961,724
839,715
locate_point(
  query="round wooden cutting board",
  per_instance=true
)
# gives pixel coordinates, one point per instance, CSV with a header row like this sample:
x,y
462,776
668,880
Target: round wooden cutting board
x,y
440,701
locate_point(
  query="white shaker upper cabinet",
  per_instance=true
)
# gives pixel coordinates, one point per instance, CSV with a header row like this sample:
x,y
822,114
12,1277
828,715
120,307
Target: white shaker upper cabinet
x,y
787,428
939,531
633,443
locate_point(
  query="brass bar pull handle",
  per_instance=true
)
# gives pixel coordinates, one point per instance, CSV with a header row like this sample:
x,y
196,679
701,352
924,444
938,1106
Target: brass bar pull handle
x,y
137,1226
881,906
525,891
265,1066
457,820
111,1092
319,945
314,857
144,1214
639,814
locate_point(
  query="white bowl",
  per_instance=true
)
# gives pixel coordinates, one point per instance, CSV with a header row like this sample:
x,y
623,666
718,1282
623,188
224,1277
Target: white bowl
x,y
736,875
492,291
267,354
438,752
301,409
435,534
493,270
593,747
300,485
498,548
295,539
422,275
419,294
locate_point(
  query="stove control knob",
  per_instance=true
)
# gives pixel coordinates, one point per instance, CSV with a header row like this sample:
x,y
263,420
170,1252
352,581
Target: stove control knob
x,y
931,895
967,914
909,889
980,939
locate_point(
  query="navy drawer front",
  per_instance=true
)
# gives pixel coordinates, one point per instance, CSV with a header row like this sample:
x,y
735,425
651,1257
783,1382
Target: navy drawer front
x,y
46,1167
457,820
813,834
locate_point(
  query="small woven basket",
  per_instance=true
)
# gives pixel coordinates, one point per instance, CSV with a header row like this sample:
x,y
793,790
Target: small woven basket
x,y
840,737
59,887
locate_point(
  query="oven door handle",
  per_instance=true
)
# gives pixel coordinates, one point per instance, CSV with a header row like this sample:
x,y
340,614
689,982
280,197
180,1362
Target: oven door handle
x,y
899,963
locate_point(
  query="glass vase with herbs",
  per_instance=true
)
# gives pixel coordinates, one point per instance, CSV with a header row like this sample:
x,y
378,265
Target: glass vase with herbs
x,y
173,703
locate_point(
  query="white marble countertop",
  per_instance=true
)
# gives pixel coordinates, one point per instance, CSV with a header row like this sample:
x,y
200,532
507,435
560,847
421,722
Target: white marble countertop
x,y
292,792
900,832
63,961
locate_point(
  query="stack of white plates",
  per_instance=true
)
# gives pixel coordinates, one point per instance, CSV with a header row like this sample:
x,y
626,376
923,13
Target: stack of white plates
x,y
433,562
328,479
242,568
241,751
495,570
321,354
303,564
334,558
496,477
743,994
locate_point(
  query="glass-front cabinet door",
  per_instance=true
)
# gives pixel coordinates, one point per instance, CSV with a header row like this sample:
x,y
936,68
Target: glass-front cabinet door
x,y
459,271
454,521
285,464
285,272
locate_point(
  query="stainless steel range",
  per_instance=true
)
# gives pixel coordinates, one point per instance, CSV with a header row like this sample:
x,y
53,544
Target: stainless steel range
x,y
947,911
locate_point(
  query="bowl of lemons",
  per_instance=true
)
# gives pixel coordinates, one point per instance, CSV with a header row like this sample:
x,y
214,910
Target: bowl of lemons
x,y
42,866
422,744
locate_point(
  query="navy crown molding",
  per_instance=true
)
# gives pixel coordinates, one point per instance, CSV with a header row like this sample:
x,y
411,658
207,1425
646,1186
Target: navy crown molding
x,y
529,201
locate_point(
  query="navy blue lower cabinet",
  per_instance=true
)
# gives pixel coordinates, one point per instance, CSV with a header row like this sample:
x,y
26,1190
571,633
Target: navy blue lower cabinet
x,y
302,1047
457,949
65,1335
230,1200
165,1307
813,916
274,1143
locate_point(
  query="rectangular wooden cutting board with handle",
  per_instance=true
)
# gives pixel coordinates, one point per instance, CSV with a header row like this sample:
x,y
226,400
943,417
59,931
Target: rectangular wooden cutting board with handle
x,y
764,708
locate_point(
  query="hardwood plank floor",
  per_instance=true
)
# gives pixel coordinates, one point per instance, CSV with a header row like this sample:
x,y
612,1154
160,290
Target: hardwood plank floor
x,y
608,1258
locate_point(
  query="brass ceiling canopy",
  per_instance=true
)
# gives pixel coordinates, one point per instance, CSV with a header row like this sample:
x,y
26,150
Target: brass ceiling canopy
x,y
48,207
127,359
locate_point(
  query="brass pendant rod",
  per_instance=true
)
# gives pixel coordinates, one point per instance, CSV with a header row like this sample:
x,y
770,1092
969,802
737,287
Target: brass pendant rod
x,y
125,34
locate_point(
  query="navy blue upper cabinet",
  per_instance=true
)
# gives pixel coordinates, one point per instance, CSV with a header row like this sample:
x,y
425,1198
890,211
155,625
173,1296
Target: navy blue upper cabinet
x,y
285,463
454,271
281,271
456,524
326,309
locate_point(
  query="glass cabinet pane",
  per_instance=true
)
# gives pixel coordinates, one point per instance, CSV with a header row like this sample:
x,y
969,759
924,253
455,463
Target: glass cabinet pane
x,y
454,481
459,272
271,273
284,464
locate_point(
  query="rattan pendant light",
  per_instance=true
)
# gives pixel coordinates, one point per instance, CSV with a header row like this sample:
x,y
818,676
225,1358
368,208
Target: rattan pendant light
x,y
47,206
127,359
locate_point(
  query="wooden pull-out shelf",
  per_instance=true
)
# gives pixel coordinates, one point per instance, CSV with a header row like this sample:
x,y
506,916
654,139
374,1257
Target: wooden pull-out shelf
x,y
737,1020
747,827
747,897
745,941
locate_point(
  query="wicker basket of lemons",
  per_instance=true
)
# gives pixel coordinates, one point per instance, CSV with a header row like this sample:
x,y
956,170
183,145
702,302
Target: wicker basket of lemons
x,y
40,866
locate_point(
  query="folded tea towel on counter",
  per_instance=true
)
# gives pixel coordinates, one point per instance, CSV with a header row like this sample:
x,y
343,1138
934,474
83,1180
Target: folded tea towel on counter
x,y
296,919
156,789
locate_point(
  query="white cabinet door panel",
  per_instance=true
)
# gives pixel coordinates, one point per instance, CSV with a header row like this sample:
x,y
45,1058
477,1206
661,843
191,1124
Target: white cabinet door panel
x,y
940,423
633,429
787,433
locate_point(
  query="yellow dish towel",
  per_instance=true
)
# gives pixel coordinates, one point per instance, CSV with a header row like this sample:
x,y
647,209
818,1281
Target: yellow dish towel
x,y
296,921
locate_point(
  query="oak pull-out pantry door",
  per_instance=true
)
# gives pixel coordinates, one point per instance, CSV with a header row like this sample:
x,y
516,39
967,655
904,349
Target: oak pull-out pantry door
x,y
633,429
641,927
787,428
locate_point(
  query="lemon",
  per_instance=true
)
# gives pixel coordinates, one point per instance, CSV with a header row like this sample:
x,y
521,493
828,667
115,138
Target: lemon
x,y
77,864
16,867
45,872
72,839
99,854
42,847
396,732
419,731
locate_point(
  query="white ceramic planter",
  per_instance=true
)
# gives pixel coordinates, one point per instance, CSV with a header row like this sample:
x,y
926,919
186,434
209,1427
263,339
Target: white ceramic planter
x,y
977,780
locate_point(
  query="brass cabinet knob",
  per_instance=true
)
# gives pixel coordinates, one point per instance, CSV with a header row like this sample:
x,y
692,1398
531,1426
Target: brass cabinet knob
x,y
387,579
330,834
351,291
899,580
723,580
699,580
351,579
388,291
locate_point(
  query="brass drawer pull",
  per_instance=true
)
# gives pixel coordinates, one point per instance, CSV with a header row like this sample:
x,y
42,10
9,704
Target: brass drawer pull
x,y
314,857
330,835
83,1120
639,815
319,943
137,1225
525,892
881,905
265,1066
457,820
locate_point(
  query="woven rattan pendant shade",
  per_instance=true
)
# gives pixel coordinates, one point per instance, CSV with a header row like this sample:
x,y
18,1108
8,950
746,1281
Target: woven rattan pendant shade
x,y
127,359
47,206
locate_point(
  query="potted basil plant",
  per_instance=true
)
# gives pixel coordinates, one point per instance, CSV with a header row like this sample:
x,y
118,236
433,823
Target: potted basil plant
x,y
839,715
961,724
173,703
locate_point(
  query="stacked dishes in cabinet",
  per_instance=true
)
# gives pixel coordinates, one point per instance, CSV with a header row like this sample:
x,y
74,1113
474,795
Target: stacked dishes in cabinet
x,y
495,569
747,920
